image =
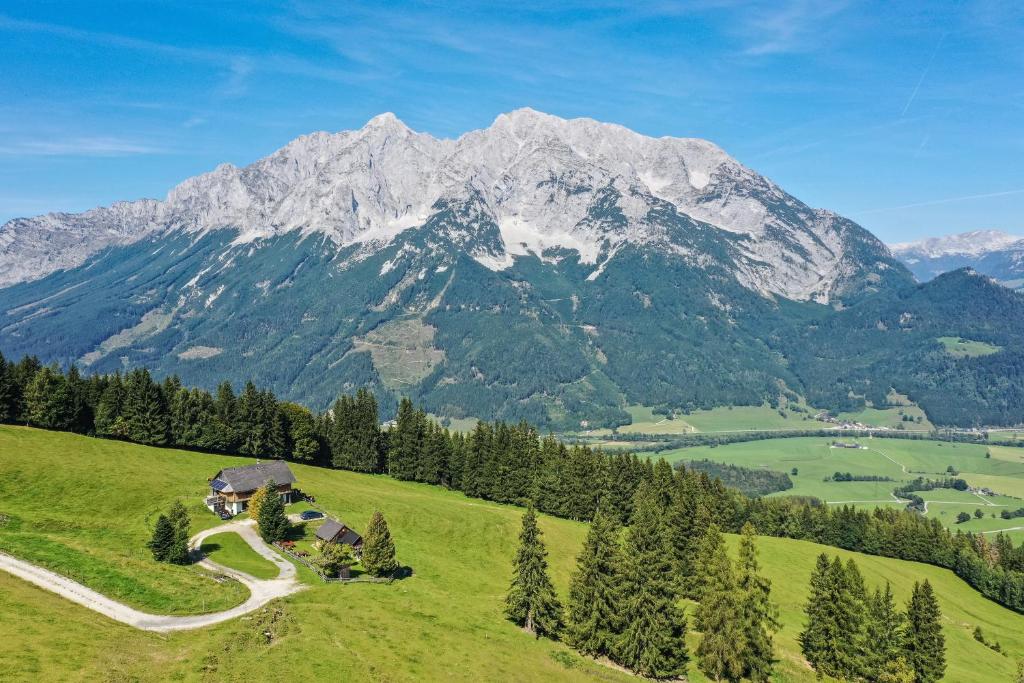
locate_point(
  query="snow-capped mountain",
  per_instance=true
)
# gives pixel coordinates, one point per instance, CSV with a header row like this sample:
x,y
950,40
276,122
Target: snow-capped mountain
x,y
537,176
994,253
543,269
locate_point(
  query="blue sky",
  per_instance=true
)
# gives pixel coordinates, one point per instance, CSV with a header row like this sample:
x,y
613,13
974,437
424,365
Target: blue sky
x,y
907,117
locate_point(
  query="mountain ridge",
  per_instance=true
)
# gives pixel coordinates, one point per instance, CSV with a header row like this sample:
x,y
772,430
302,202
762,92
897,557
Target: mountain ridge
x,y
995,253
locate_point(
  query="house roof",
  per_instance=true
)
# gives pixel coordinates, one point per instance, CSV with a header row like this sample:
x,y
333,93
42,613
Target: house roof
x,y
251,477
333,530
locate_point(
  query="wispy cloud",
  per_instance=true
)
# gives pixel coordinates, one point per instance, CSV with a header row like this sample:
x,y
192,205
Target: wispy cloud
x,y
80,146
934,202
786,27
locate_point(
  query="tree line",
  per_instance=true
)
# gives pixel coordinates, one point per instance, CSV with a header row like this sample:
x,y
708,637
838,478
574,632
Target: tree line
x,y
495,461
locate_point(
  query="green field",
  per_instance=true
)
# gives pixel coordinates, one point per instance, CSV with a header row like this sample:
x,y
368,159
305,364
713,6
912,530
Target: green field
x,y
901,460
460,551
967,348
230,550
762,418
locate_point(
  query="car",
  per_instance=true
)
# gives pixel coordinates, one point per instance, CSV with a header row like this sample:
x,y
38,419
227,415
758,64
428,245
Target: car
x,y
225,515
311,514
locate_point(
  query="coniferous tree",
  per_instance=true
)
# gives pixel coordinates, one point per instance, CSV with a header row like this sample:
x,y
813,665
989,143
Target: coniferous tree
x,y
531,601
653,641
924,643
109,420
379,548
758,615
884,631
594,619
180,521
272,521
144,412
834,621
718,617
163,539
8,392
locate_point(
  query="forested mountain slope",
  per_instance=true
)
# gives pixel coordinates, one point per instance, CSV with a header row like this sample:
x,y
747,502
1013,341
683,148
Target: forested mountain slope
x,y
541,268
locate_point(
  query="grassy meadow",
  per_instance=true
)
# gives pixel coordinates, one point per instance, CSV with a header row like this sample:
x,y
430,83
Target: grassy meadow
x,y
231,550
999,468
442,623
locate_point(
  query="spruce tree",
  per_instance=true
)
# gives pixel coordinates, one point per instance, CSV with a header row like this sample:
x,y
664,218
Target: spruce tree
x,y
163,539
758,615
884,631
832,640
653,641
272,521
531,601
593,615
923,643
180,521
719,652
378,548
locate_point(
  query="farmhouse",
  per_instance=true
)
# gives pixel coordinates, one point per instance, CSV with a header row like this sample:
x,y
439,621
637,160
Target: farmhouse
x,y
232,487
333,531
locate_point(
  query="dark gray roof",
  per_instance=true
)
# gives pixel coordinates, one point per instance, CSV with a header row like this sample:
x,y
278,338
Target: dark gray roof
x,y
251,477
330,530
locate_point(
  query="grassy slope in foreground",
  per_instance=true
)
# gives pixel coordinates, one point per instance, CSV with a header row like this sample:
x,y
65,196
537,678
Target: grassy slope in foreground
x,y
461,551
231,550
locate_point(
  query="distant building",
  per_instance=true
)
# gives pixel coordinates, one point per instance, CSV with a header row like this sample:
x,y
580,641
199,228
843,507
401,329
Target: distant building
x,y
842,444
232,487
333,531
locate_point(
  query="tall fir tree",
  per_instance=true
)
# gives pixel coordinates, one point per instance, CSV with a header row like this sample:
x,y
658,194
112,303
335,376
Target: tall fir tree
x,y
379,548
272,521
883,632
593,613
924,644
831,639
653,641
531,601
181,522
720,650
758,615
8,392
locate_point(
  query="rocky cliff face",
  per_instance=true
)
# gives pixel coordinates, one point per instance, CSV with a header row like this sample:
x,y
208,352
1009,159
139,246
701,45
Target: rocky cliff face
x,y
539,178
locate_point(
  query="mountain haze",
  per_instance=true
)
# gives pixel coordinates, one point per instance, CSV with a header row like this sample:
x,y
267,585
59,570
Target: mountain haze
x,y
542,268
991,252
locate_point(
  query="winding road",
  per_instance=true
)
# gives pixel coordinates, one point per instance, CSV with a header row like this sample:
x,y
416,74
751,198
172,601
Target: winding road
x,y
261,591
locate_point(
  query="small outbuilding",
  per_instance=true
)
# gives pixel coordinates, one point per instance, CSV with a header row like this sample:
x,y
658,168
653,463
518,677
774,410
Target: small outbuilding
x,y
333,531
232,487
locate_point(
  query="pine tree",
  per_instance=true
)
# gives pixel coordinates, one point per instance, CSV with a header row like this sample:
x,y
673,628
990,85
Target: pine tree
x,y
759,616
884,631
8,393
834,620
272,521
719,653
653,641
181,523
531,601
163,539
378,548
593,615
923,644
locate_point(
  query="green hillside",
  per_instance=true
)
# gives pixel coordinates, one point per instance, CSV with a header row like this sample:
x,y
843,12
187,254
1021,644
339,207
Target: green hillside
x,y
86,502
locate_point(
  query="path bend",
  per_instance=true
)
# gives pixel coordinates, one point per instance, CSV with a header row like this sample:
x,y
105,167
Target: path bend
x,y
261,591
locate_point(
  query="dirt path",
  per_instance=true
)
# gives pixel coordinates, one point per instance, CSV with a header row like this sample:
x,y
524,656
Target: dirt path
x,y
260,591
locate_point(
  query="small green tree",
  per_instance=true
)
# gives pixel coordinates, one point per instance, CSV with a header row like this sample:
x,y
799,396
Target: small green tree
x,y
923,643
272,521
594,619
531,601
181,522
896,671
333,557
163,539
378,548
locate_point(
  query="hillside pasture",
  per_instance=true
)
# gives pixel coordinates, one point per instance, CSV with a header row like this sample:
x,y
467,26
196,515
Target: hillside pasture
x,y
459,551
